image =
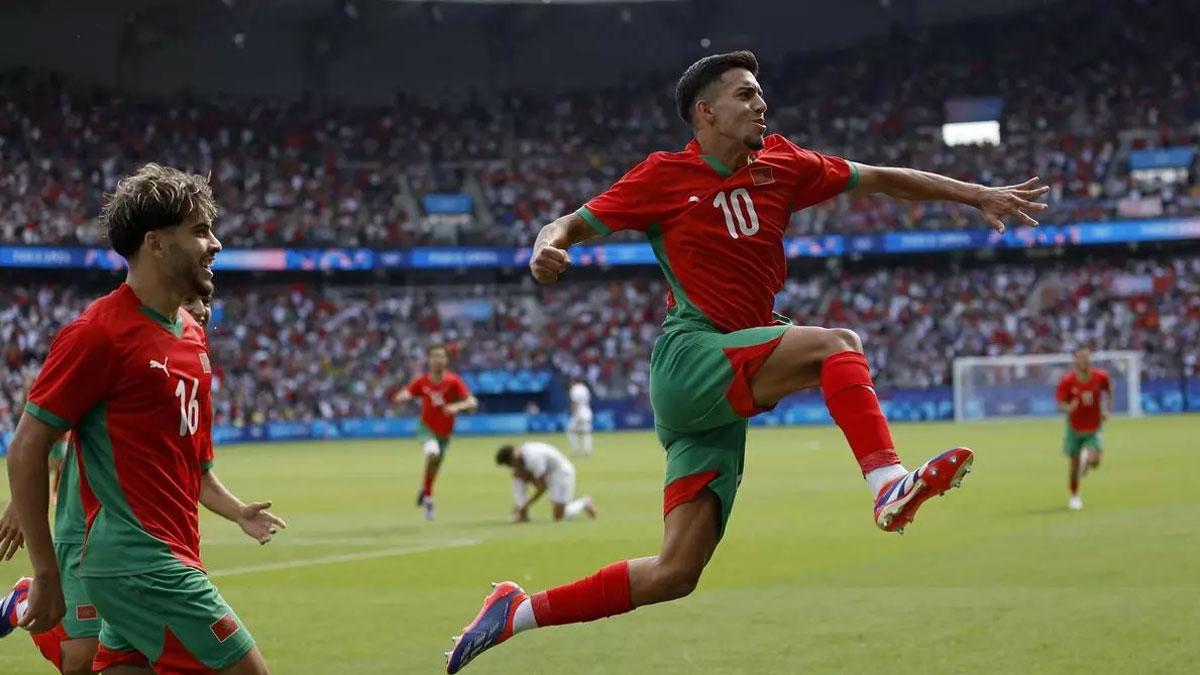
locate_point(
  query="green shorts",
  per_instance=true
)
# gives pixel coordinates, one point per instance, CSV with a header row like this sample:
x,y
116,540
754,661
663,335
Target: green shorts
x,y
1076,441
700,392
81,619
172,618
431,443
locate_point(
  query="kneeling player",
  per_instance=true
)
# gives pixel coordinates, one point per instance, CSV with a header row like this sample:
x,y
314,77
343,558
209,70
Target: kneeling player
x,y
543,466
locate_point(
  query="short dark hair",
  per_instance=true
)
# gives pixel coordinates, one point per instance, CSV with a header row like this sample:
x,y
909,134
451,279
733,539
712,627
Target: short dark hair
x,y
706,71
504,456
436,345
154,197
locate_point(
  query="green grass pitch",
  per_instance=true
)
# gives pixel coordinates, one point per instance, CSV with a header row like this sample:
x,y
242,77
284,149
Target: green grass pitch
x,y
996,578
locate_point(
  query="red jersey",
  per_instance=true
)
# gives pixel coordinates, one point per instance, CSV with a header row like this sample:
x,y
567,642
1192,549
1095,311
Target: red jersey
x,y
717,233
134,386
434,395
1086,417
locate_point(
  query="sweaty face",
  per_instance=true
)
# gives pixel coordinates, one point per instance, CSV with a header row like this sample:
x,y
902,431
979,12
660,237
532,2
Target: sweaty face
x,y
438,359
736,108
191,248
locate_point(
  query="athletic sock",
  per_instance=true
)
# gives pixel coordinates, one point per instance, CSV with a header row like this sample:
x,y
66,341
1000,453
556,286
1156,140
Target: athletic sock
x,y
427,485
605,593
587,443
850,396
880,477
573,438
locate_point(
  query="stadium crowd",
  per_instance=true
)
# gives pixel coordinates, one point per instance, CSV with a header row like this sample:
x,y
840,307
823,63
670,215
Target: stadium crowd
x,y
312,173
304,352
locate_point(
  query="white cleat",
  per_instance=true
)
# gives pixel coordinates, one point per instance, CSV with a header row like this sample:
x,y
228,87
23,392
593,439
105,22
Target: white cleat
x,y
1075,503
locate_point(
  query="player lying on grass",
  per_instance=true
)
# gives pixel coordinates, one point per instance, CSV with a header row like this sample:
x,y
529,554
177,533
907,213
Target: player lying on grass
x,y
715,215
545,468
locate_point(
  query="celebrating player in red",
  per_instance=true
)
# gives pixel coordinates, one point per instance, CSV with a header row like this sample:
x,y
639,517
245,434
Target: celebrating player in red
x,y
715,215
131,377
443,396
1085,394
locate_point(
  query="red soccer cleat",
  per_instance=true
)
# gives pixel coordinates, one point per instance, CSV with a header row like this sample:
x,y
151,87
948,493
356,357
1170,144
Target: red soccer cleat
x,y
899,500
491,626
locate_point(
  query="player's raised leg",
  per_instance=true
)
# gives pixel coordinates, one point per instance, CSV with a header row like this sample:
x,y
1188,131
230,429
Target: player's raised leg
x,y
832,358
690,535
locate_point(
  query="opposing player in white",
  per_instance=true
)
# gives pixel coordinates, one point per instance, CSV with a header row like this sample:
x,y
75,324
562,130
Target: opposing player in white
x,y
579,427
548,470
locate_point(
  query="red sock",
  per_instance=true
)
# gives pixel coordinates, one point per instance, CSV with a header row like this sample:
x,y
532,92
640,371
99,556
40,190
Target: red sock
x,y
428,485
605,593
1074,484
850,397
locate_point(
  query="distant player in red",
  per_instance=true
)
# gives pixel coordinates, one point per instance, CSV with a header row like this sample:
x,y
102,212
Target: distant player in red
x,y
443,396
1085,394
715,215
131,378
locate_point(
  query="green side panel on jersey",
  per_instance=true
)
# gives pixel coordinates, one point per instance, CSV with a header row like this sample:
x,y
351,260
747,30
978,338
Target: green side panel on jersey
x,y
684,315
46,416
173,327
58,451
718,166
117,543
70,524
594,222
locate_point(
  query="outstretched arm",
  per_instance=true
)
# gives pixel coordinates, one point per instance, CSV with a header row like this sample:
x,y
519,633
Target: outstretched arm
x,y
468,404
254,519
996,203
549,258
29,480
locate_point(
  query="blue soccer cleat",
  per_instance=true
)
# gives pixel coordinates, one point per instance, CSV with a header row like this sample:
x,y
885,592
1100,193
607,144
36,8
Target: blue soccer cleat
x,y
491,626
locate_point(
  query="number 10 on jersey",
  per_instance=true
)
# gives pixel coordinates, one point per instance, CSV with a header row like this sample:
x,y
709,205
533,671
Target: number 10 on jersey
x,y
737,204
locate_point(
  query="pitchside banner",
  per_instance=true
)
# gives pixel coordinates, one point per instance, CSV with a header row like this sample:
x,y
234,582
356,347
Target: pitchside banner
x,y
618,254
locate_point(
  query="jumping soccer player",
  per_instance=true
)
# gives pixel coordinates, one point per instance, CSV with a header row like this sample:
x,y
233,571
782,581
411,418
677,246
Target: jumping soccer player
x,y
579,426
443,396
715,215
544,467
1085,394
131,378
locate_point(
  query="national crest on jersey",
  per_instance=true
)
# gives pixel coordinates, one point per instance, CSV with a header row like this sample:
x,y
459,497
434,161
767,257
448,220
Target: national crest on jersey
x,y
718,233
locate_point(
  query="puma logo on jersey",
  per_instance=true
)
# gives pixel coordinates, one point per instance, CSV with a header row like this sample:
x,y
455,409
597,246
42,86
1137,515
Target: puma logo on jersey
x,y
161,366
693,199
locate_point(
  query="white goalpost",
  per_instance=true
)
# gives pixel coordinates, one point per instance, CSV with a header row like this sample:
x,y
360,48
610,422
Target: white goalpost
x,y
990,387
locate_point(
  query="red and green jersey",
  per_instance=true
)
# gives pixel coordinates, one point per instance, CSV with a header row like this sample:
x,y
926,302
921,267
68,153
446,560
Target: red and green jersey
x,y
434,396
1086,417
70,525
133,386
717,233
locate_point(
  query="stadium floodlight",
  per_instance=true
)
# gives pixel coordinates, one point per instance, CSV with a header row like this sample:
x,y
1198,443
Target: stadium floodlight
x,y
1023,385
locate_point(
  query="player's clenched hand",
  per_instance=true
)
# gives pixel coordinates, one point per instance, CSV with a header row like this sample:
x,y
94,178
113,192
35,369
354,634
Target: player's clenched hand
x,y
11,539
998,203
256,521
547,263
46,606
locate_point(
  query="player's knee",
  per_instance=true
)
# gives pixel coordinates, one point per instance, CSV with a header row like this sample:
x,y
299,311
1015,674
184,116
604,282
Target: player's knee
x,y
842,339
679,580
76,664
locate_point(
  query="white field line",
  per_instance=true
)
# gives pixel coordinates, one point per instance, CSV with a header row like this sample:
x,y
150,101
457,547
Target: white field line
x,y
391,552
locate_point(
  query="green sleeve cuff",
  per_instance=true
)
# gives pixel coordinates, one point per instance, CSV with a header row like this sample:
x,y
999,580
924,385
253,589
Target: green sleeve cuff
x,y
853,182
595,223
46,416
205,467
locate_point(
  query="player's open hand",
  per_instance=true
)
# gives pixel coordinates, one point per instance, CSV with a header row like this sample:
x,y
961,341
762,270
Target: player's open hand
x,y
260,523
46,605
998,203
547,263
11,538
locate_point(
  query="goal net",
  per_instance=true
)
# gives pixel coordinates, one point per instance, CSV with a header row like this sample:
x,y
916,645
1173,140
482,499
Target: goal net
x,y
987,387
